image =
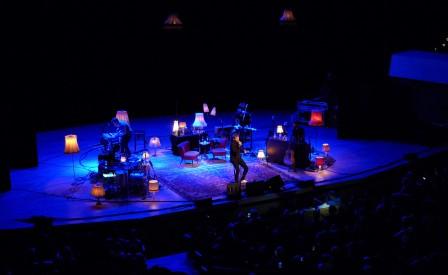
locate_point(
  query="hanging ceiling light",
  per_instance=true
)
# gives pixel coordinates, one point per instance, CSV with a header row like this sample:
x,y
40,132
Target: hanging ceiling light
x,y
173,22
287,17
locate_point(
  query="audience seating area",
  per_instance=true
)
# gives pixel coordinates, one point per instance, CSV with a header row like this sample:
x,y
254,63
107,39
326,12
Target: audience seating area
x,y
392,223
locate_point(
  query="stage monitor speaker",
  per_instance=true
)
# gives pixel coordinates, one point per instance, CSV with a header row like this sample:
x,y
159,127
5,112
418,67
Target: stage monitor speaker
x,y
275,183
5,178
255,188
203,203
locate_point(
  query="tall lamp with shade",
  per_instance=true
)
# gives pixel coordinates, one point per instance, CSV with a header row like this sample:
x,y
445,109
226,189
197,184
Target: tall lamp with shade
x,y
154,142
71,147
122,115
316,120
199,122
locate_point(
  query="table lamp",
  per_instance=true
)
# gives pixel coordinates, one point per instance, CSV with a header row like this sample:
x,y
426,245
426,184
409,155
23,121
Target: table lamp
x,y
154,142
98,192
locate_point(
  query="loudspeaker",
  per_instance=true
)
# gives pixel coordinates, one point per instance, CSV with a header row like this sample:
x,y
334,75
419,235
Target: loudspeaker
x,y
203,203
5,178
24,152
275,183
306,183
255,188
233,191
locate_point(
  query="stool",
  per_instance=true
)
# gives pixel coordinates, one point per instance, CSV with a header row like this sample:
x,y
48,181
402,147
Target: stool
x,y
139,135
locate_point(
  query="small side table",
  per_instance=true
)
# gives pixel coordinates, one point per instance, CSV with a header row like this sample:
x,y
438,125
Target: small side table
x,y
204,148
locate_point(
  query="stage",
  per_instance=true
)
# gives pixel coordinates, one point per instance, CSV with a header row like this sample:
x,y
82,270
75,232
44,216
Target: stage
x,y
52,190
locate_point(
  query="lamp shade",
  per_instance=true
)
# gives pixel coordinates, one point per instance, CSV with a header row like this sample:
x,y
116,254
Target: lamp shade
x,y
320,161
326,147
98,191
213,112
122,116
280,129
176,126
154,142
287,16
71,144
123,159
173,22
145,155
199,121
153,185
182,125
205,108
316,119
261,155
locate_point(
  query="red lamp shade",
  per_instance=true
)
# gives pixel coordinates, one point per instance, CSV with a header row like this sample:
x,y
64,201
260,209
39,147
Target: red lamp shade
x,y
316,119
326,147
320,161
71,144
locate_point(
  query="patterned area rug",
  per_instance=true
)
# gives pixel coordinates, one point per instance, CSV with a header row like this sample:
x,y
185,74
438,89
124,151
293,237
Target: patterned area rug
x,y
209,178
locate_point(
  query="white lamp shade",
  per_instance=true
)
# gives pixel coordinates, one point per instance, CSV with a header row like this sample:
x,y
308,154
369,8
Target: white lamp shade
x,y
205,108
145,155
261,154
71,144
176,126
213,112
280,129
199,121
154,142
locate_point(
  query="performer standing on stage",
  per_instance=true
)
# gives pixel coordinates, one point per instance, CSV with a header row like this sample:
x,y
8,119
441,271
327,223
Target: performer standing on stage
x,y
300,149
235,158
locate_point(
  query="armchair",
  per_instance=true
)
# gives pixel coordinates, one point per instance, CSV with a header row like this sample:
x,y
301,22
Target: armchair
x,y
185,153
219,148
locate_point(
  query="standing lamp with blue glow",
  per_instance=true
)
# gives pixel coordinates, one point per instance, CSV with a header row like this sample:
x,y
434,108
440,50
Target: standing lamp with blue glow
x,y
199,123
154,142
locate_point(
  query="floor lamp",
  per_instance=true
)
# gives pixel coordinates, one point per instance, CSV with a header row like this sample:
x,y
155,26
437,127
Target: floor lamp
x,y
71,147
316,120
